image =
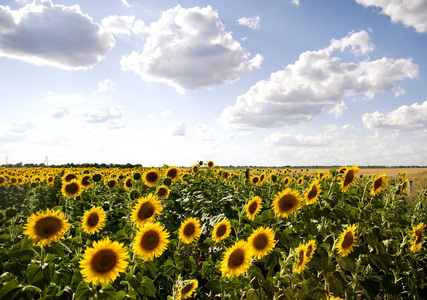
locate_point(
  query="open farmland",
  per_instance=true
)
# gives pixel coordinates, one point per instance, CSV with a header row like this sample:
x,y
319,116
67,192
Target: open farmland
x,y
211,233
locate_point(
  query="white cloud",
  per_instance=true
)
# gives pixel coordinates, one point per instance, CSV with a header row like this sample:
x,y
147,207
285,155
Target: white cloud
x,y
118,24
115,124
256,61
139,27
404,118
188,49
47,34
252,22
59,112
358,42
410,12
177,129
316,81
63,98
104,86
295,2
155,116
338,109
103,114
14,131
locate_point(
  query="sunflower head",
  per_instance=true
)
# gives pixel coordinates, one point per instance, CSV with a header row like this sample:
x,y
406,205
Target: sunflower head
x,y
151,177
112,183
286,181
146,209
128,184
173,173
310,248
221,230
301,260
71,188
44,228
287,202
190,230
255,179
188,289
379,182
151,241
261,242
236,259
103,262
253,207
68,176
347,240
313,192
210,164
349,177
162,192
86,181
93,220
418,237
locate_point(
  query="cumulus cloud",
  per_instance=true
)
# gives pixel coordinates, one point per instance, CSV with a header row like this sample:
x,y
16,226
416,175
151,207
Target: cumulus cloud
x,y
59,112
252,22
44,33
177,129
188,49
103,114
404,118
104,86
118,24
316,81
411,13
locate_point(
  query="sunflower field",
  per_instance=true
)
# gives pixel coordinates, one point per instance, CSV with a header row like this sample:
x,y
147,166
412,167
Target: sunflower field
x,y
209,233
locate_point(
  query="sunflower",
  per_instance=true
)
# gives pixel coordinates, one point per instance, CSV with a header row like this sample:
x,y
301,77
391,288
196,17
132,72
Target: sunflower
x,y
332,298
261,241
300,180
380,182
71,188
93,220
43,228
111,182
67,177
173,173
146,209
403,188
418,237
190,230
195,168
310,247
128,183
151,241
347,240
221,230
102,263
253,207
188,289
286,202
2,180
301,259
151,177
348,177
210,164
162,192
255,179
236,259
313,192
85,181
286,181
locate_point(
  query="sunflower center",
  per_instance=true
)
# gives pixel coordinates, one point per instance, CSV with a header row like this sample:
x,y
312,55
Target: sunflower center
x,y
112,183
220,231
377,183
187,288
287,202
348,240
93,219
47,227
313,192
162,192
419,235
171,173
309,250
236,258
150,240
146,211
128,183
260,241
189,229
70,177
151,177
103,261
85,181
252,207
72,188
300,257
349,177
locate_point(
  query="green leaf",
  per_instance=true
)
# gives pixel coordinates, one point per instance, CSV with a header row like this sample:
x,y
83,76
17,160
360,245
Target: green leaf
x,y
257,294
84,291
214,286
107,292
39,276
147,287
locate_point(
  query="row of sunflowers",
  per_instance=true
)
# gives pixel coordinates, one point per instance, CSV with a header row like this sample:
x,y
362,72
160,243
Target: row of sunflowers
x,y
209,233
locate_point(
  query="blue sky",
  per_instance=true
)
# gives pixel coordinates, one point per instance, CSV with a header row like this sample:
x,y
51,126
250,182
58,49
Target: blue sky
x,y
261,83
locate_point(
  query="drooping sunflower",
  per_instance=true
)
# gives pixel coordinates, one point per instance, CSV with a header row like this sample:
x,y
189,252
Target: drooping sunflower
x,y
163,192
44,228
310,248
313,192
93,220
221,231
151,241
173,173
287,202
379,182
261,242
236,259
188,289
189,230
210,164
146,209
301,261
103,262
151,177
418,237
71,188
349,177
253,207
347,240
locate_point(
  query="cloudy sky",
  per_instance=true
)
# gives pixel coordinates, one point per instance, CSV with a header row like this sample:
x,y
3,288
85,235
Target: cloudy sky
x,y
242,82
